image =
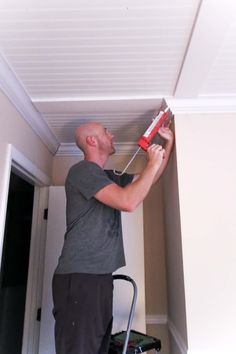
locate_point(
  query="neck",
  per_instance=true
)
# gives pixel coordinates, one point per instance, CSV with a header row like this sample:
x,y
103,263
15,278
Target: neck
x,y
98,159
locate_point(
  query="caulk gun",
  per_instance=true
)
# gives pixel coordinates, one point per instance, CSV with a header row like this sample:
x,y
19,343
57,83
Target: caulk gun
x,y
149,134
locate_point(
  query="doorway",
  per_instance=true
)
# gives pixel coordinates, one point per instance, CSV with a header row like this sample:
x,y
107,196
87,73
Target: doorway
x,y
14,265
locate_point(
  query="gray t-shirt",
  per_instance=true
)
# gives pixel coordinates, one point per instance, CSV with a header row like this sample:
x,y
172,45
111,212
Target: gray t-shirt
x,y
93,241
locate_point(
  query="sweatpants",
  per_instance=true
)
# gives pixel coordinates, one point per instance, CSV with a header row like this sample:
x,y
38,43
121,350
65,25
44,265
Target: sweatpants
x,y
82,312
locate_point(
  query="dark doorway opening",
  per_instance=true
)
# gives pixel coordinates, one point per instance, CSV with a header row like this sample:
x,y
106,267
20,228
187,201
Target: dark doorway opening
x,y
14,265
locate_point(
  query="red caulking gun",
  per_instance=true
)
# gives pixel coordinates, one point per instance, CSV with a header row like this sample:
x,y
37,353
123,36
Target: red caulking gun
x,y
149,134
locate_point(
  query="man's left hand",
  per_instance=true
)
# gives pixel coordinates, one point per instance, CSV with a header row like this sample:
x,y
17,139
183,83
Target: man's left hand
x,y
166,133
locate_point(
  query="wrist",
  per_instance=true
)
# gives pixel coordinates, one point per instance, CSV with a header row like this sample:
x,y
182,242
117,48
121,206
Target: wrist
x,y
169,142
153,166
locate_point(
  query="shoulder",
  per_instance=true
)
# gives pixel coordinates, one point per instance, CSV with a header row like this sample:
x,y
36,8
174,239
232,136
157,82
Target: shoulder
x,y
84,167
87,173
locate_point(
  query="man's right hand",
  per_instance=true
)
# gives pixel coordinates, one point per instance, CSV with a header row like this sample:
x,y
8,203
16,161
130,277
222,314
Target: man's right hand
x,y
155,155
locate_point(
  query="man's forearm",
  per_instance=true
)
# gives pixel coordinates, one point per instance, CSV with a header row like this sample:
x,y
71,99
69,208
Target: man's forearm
x,y
138,190
129,197
168,149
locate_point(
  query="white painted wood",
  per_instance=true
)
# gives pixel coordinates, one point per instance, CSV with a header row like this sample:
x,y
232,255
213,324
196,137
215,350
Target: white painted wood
x,y
203,105
14,90
76,51
133,240
206,40
30,340
28,168
4,197
16,161
96,49
220,78
113,61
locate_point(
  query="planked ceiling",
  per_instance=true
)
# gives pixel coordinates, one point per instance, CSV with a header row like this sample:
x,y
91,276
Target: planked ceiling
x,y
68,61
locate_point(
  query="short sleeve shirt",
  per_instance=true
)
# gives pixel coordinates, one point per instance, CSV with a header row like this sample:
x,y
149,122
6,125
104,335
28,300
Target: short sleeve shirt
x,y
93,240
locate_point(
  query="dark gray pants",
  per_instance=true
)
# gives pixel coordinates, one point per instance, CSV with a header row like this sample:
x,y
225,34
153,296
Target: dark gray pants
x,y
82,312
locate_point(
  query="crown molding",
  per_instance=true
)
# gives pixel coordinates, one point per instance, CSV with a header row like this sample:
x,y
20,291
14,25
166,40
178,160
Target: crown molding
x,y
68,149
71,149
204,105
11,86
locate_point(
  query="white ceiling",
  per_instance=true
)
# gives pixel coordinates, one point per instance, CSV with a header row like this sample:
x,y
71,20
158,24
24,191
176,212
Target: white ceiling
x,y
114,61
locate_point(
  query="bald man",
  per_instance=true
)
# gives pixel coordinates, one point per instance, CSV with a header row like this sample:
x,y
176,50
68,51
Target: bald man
x,y
93,245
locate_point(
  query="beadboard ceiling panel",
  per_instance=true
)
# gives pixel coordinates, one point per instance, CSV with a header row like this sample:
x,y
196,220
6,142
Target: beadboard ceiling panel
x,y
113,61
221,79
108,49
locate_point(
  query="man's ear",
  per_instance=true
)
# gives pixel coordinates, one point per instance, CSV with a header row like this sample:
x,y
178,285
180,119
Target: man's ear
x,y
90,140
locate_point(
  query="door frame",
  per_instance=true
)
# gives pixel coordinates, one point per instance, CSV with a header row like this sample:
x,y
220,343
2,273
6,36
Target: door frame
x,y
22,166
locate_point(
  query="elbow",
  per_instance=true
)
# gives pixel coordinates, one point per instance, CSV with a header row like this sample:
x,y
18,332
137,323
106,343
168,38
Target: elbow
x,y
128,202
129,207
128,210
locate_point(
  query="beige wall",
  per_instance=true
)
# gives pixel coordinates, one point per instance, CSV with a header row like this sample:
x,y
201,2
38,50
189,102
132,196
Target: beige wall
x,y
155,266
14,130
206,148
174,261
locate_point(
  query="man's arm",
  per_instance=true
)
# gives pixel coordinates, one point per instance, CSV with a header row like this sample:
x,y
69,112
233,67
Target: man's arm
x,y
129,197
167,134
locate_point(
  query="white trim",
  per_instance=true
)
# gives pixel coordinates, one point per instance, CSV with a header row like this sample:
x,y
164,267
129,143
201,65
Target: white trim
x,y
4,197
177,338
99,98
70,149
30,342
203,105
28,168
25,167
208,36
17,161
20,99
156,319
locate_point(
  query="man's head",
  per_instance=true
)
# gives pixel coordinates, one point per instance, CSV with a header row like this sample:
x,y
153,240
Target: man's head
x,y
92,137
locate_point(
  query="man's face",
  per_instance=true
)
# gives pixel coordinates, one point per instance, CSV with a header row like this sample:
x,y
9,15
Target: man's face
x,y
105,140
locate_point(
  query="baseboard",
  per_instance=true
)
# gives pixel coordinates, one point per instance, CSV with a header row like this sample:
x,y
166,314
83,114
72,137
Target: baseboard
x,y
157,319
177,338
